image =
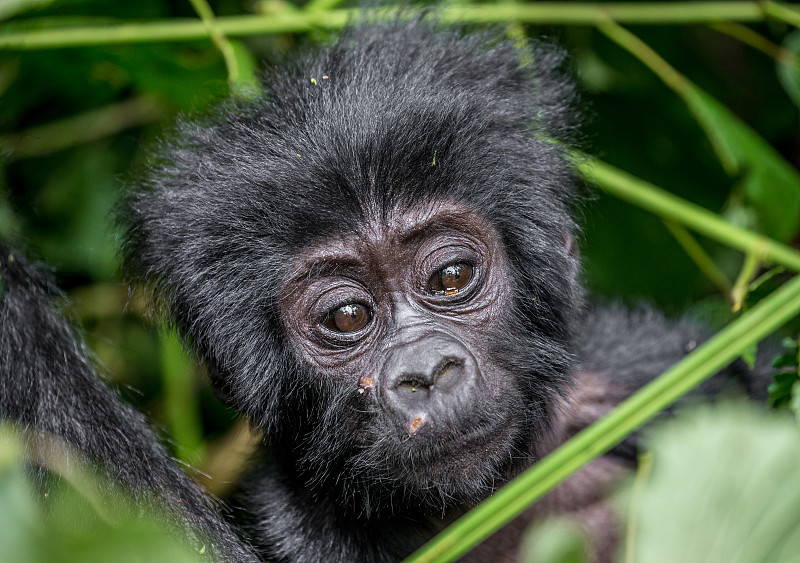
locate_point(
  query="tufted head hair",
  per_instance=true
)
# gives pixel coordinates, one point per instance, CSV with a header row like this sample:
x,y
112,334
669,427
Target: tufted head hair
x,y
392,116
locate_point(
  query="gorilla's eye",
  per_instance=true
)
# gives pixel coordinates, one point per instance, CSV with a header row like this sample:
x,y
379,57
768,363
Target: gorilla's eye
x,y
450,279
347,318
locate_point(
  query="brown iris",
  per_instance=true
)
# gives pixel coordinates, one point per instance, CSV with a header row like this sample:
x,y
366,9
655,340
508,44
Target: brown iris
x,y
347,318
451,279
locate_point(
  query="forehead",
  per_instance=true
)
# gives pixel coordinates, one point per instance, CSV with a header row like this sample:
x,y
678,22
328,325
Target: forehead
x,y
390,235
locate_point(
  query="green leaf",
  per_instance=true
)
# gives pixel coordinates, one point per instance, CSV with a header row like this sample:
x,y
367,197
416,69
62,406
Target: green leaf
x,y
780,390
80,518
785,360
749,355
723,488
770,185
763,285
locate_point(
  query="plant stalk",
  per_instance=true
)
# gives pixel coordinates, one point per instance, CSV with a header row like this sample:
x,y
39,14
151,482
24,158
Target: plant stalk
x,y
584,13
667,206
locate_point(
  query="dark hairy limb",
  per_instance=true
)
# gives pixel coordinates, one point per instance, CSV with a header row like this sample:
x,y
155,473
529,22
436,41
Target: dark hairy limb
x,y
49,387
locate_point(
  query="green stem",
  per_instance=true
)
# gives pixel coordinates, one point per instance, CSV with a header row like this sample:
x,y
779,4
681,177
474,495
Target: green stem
x,y
515,497
756,41
646,54
649,13
218,37
321,4
180,400
752,262
667,206
783,12
699,256
171,30
83,128
593,13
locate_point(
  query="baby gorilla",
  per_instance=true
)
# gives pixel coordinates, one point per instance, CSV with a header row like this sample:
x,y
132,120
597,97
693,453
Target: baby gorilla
x,y
374,260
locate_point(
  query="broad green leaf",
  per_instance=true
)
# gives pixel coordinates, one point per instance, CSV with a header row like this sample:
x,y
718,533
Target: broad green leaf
x,y
724,488
770,185
81,518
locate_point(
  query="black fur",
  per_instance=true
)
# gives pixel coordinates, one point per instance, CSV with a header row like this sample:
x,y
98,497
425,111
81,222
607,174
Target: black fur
x,y
49,387
391,116
397,114
216,222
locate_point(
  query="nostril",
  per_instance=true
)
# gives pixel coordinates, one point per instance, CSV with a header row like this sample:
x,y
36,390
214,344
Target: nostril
x,y
411,383
413,386
447,372
429,384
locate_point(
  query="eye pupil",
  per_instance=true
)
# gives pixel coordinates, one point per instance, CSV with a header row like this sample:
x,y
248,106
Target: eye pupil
x,y
451,279
348,318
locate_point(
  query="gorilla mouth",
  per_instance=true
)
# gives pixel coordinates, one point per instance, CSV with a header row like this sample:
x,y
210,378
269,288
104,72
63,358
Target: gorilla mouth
x,y
482,439
458,473
482,449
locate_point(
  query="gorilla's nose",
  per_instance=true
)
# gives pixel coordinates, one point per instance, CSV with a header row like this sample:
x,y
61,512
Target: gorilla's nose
x,y
431,383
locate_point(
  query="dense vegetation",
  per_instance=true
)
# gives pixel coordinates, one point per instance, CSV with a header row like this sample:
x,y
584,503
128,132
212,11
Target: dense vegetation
x,y
700,99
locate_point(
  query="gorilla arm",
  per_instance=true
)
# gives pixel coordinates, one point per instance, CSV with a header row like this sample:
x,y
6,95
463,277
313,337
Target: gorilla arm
x,y
50,389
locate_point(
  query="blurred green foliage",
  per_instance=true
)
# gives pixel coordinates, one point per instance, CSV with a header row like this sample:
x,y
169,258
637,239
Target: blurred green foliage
x,y
701,511
644,128
785,387
687,505
76,121
79,518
